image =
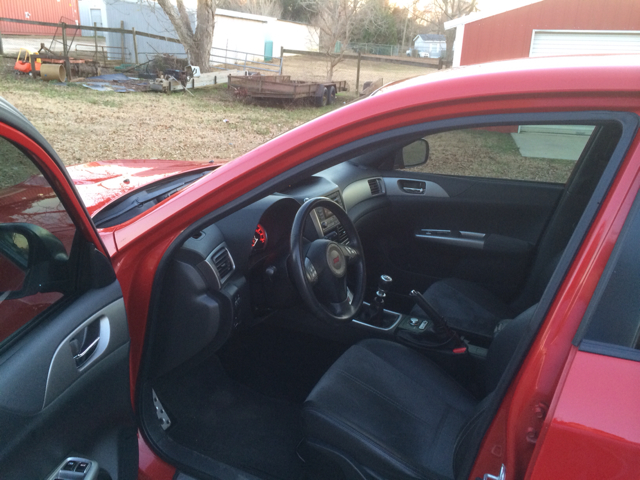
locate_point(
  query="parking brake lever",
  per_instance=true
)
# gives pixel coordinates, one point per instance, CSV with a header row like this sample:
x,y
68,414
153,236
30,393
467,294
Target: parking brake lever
x,y
440,327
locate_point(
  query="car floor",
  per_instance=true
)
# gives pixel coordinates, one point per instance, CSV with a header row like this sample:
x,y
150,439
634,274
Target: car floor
x,y
242,406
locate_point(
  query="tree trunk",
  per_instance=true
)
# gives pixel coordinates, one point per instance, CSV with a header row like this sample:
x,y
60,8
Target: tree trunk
x,y
199,55
330,66
198,44
451,37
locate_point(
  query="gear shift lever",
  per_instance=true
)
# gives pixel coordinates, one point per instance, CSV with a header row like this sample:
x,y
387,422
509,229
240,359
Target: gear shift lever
x,y
441,328
376,312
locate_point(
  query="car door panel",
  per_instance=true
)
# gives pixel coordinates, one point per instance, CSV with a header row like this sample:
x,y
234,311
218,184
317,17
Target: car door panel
x,y
482,230
64,368
51,408
603,432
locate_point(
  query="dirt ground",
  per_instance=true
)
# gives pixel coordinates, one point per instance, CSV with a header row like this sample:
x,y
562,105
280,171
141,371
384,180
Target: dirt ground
x,y
315,69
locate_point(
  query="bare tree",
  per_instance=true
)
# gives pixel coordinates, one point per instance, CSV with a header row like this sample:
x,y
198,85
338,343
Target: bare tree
x,y
334,20
440,11
412,15
268,8
197,44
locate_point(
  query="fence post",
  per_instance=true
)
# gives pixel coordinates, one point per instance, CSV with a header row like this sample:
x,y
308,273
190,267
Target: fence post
x,y
65,52
135,45
281,59
358,75
1,47
95,39
122,39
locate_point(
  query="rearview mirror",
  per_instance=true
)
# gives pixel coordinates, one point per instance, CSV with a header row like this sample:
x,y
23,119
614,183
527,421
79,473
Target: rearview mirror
x,y
413,155
32,260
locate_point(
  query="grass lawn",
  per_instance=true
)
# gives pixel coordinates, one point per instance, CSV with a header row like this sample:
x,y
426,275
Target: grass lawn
x,y
484,153
84,125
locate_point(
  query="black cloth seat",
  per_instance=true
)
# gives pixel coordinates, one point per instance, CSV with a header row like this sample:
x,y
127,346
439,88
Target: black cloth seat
x,y
392,409
467,307
389,412
472,309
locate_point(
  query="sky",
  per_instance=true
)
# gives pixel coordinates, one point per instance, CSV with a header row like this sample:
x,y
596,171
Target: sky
x,y
486,4
482,4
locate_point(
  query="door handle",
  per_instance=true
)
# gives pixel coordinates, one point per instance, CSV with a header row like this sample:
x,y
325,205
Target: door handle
x,y
85,343
414,187
84,355
452,237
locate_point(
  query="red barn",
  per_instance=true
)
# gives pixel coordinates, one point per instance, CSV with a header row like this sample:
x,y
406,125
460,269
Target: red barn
x,y
537,28
52,11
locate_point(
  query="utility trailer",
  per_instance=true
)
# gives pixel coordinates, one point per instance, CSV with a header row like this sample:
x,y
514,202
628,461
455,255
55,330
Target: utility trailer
x,y
281,86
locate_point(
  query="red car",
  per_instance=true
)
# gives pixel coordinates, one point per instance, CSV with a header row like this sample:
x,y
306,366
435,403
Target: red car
x,y
435,282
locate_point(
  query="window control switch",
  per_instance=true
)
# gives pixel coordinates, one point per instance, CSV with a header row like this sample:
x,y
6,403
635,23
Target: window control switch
x,y
75,468
70,466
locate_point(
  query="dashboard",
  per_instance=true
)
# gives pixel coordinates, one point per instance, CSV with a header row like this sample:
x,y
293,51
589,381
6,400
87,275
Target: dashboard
x,y
234,272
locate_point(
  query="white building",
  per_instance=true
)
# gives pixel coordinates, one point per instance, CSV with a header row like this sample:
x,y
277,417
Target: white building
x,y
237,36
433,44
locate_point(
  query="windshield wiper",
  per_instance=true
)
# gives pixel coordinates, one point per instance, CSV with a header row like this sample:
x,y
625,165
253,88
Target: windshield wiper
x,y
138,201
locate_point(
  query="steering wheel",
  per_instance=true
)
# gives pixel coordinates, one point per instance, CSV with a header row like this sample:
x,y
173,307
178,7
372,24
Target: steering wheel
x,y
319,268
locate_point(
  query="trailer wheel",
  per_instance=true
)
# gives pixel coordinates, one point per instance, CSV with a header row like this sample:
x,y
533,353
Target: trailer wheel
x,y
332,95
321,100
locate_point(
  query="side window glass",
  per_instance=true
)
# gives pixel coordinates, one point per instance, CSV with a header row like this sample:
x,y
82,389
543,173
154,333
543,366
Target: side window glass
x,y
36,234
613,316
542,153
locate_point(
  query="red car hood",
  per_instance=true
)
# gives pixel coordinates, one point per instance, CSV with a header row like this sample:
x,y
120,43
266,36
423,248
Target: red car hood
x,y
99,183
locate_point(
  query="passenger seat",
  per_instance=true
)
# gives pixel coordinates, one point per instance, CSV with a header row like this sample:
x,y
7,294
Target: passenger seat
x,y
473,309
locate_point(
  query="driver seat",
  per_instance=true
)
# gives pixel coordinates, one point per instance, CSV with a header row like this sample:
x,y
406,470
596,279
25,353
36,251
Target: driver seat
x,y
384,410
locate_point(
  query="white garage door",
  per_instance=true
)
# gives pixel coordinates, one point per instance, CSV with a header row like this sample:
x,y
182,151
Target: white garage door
x,y
576,42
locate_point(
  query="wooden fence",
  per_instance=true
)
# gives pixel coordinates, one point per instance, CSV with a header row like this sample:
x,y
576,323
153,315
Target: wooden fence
x,y
427,62
66,27
217,57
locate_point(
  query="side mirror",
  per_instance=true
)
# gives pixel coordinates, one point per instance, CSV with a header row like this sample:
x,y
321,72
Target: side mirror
x,y
32,260
413,155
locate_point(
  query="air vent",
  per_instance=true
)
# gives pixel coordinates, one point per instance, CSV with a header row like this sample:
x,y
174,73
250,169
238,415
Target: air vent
x,y
375,186
343,238
335,197
224,263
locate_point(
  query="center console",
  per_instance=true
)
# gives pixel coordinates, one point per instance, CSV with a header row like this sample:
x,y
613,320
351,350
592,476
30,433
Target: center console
x,y
427,332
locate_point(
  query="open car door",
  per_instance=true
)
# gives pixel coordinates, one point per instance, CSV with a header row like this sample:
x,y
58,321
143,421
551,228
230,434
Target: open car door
x,y
65,403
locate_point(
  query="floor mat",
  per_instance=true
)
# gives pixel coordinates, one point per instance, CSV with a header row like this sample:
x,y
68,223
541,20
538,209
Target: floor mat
x,y
279,362
229,422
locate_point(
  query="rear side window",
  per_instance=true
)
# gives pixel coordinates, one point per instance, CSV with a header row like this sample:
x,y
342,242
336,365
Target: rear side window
x,y
36,235
612,322
542,153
